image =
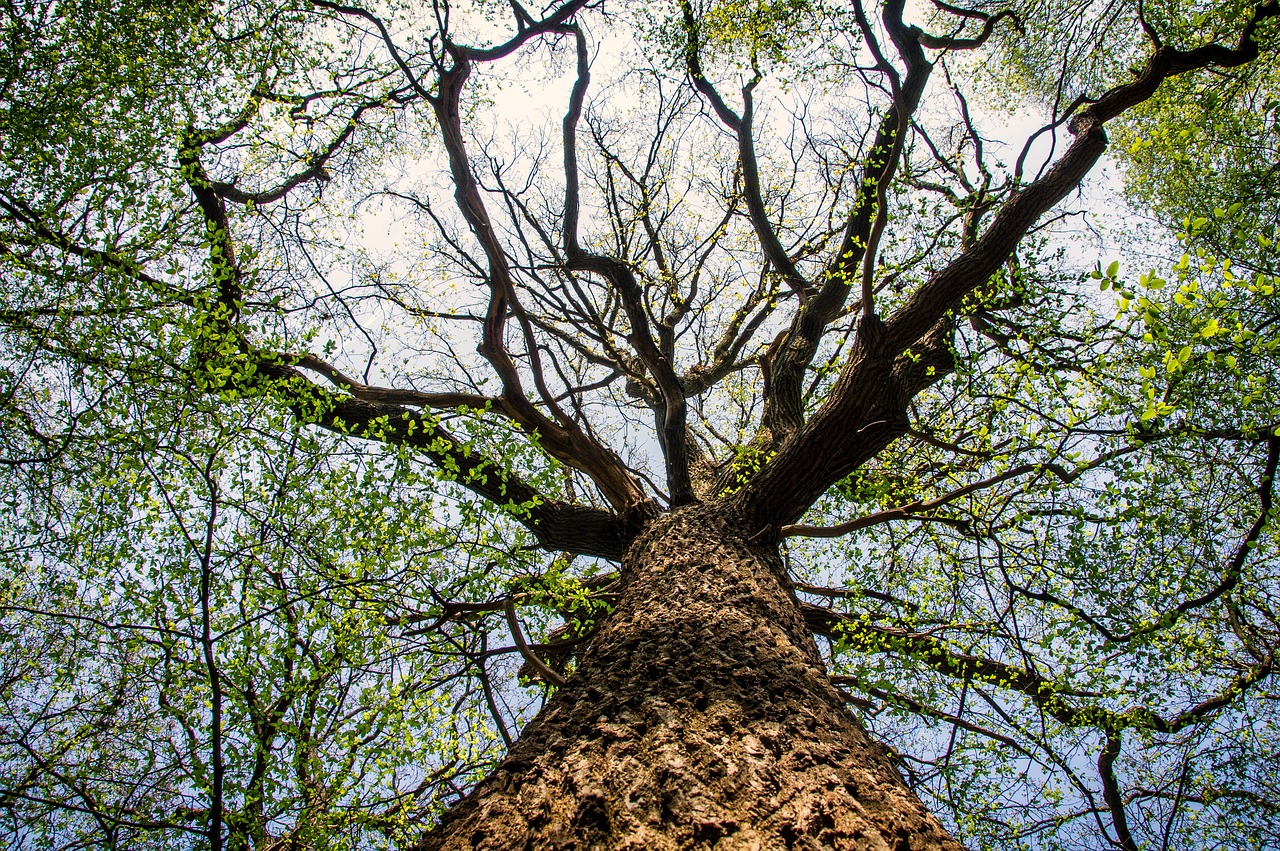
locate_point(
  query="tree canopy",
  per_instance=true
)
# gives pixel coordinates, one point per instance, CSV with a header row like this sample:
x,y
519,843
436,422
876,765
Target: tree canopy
x,y
347,348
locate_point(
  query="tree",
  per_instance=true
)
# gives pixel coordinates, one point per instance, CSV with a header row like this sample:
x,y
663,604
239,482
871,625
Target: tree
x,y
791,416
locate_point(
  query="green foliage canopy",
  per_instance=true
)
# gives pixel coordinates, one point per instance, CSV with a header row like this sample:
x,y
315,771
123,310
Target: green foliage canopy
x,y
272,544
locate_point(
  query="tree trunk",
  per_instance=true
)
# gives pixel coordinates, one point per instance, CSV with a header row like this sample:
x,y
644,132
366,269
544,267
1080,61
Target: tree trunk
x,y
701,717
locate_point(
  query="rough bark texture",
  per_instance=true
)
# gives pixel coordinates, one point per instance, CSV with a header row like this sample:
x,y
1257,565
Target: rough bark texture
x,y
701,717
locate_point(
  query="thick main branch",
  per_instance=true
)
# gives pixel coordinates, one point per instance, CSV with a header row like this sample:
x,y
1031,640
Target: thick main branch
x,y
891,362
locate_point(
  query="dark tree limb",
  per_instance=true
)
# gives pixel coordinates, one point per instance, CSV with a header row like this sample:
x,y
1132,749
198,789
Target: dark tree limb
x,y
1111,791
989,23
557,525
23,213
315,169
392,395
673,410
513,623
222,250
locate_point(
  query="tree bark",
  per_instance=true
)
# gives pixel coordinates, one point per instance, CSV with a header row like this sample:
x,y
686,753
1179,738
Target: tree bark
x,y
701,717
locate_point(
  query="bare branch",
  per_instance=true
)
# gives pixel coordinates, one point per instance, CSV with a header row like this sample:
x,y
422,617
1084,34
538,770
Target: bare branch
x,y
560,436
741,127
1060,702
989,22
1230,575
917,509
673,415
546,673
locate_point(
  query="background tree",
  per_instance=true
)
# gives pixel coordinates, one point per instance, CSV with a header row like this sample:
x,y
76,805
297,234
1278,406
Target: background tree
x,y
748,395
